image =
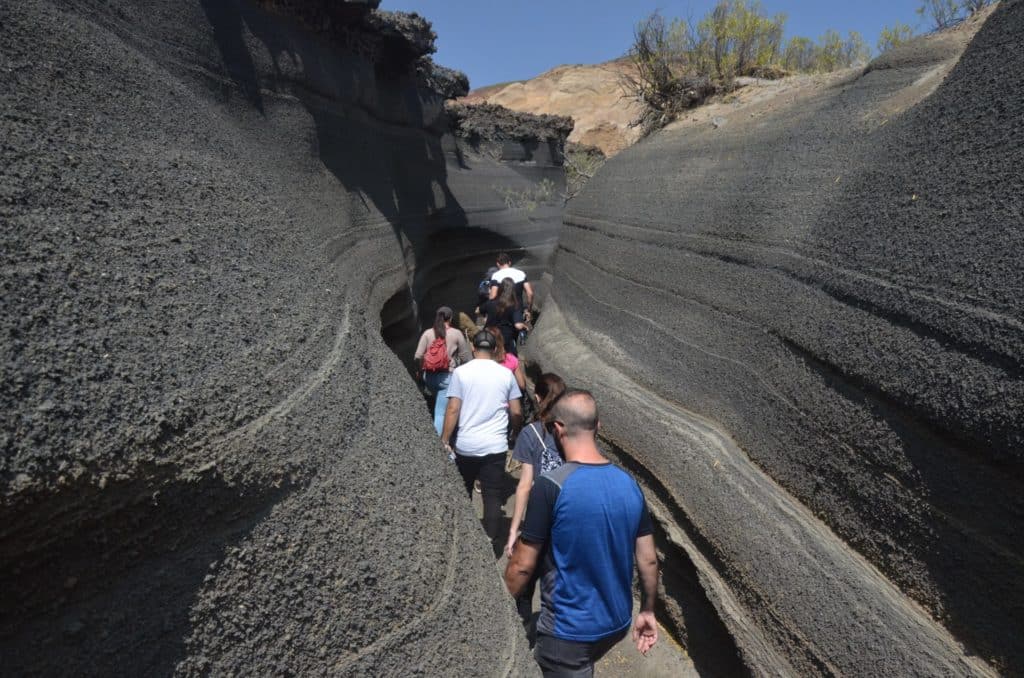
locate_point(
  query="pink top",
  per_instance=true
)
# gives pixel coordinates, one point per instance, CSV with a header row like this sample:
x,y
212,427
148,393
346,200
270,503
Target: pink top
x,y
510,362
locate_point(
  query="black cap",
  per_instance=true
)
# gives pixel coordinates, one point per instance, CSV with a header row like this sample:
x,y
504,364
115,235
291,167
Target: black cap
x,y
484,339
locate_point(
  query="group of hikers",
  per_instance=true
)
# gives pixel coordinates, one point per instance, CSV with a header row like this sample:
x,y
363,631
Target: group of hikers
x,y
579,522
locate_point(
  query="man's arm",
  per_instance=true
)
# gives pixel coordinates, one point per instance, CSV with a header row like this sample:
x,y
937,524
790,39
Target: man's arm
x,y
417,357
451,418
521,566
528,294
645,628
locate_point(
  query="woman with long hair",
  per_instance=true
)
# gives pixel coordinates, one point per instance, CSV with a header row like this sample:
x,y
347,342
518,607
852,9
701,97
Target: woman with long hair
x,y
504,313
537,450
436,343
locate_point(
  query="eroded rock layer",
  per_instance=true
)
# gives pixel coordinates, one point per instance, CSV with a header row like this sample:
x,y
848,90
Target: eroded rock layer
x,y
805,326
211,462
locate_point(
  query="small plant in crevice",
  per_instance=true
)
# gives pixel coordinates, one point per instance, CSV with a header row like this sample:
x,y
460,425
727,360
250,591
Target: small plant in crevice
x,y
528,198
581,163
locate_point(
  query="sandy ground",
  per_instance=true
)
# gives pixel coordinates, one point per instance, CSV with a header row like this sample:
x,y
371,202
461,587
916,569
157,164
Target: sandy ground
x,y
666,659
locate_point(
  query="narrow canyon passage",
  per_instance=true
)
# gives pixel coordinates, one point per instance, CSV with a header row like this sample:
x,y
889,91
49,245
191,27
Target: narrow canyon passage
x,y
684,610
227,222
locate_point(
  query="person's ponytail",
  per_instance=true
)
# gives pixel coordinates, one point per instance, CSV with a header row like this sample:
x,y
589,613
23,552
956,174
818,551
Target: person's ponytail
x,y
440,318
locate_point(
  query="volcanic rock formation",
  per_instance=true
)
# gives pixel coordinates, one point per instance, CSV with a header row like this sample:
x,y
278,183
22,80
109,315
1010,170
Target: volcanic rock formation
x,y
804,326
211,462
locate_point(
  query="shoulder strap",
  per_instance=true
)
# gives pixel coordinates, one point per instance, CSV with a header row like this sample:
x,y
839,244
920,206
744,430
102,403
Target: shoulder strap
x,y
535,427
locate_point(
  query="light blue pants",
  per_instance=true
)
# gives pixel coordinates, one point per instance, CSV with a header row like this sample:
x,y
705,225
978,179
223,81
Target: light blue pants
x,y
437,382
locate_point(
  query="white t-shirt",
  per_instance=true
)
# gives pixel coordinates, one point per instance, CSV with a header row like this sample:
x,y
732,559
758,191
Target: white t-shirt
x,y
485,388
515,274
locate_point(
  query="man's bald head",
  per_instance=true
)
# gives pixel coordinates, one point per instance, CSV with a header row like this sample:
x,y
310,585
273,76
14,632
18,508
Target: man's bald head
x,y
577,412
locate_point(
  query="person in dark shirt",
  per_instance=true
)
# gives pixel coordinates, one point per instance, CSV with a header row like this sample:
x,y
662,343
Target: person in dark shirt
x,y
589,519
537,450
504,313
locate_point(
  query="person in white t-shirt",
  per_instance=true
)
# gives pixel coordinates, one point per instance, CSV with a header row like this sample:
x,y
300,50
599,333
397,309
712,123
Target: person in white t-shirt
x,y
483,400
524,290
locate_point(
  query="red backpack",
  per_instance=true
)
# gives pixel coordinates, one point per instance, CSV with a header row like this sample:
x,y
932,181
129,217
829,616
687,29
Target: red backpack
x,y
436,357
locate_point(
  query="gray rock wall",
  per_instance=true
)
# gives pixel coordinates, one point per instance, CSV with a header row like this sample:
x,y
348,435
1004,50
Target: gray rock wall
x,y
805,326
211,462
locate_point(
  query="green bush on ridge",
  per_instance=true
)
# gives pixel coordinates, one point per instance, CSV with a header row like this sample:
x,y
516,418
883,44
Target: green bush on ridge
x,y
680,63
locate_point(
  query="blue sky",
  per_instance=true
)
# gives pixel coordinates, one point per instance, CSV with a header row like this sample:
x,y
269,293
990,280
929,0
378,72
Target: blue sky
x,y
499,40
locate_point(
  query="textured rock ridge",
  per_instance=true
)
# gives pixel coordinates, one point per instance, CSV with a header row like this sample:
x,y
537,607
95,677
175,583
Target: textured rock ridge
x,y
804,324
211,462
497,123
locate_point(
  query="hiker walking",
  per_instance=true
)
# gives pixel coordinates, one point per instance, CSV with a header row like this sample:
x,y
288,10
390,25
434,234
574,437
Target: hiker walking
x,y
506,271
440,349
483,290
483,400
505,313
589,518
537,450
508,360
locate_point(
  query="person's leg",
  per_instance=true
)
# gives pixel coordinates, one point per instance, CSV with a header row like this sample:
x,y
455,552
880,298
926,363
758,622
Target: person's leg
x,y
469,469
559,658
524,603
439,385
492,486
524,606
600,647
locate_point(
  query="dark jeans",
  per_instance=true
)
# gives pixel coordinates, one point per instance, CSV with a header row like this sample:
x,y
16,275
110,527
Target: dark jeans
x,y
559,658
490,471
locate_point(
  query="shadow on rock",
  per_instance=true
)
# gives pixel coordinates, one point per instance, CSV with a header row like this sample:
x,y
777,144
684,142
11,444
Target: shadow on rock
x,y
100,560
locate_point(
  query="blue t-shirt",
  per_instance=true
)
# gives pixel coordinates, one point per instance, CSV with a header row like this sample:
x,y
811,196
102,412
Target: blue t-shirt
x,y
589,517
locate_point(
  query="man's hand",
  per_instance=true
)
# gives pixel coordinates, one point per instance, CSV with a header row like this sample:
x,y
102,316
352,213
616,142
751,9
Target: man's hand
x,y
451,418
645,628
645,631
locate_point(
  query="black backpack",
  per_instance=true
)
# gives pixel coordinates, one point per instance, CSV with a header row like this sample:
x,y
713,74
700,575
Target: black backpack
x,y
483,290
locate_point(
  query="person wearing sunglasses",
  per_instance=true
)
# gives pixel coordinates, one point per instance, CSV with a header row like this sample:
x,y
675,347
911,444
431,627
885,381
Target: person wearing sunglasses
x,y
590,521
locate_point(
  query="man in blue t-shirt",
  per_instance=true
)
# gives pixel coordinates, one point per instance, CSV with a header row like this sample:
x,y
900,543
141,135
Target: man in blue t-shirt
x,y
585,522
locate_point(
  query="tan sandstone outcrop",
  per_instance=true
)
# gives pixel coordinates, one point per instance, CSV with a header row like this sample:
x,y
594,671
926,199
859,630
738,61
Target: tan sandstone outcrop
x,y
590,94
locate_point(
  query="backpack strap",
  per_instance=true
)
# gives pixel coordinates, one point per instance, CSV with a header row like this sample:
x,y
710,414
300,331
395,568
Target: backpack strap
x,y
535,427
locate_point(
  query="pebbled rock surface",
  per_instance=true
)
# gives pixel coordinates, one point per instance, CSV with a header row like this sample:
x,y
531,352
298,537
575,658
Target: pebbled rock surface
x,y
211,463
805,324
496,123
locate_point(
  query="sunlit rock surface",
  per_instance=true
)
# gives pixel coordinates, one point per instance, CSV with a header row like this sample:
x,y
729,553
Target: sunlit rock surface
x,y
804,325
